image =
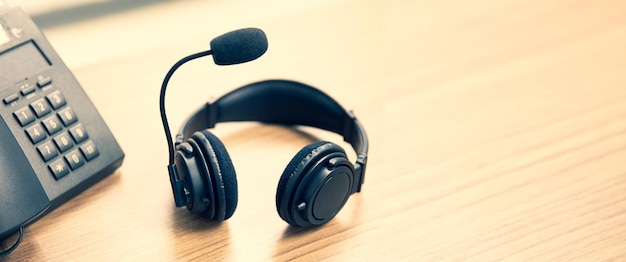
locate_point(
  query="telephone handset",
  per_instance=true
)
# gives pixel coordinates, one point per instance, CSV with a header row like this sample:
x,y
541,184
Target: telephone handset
x,y
53,142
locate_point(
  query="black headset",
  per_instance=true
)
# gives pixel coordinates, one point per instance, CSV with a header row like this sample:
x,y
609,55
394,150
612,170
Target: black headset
x,y
317,181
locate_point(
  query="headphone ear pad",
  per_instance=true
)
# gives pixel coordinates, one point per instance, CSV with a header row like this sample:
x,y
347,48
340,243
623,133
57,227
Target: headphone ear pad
x,y
225,178
294,172
291,167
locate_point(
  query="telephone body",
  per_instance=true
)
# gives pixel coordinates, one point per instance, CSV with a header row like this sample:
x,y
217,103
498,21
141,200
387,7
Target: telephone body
x,y
53,142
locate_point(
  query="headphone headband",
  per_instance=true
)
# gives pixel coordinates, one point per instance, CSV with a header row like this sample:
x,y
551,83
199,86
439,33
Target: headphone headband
x,y
281,102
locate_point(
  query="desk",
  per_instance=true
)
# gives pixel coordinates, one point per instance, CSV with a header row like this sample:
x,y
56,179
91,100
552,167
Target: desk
x,y
497,130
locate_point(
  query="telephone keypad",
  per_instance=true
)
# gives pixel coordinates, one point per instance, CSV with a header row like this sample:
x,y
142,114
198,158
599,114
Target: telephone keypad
x,y
53,128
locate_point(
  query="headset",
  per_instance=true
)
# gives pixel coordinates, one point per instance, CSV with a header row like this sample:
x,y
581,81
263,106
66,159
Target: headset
x,y
316,183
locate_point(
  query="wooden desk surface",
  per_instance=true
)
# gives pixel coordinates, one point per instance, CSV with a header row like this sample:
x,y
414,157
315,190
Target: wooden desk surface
x,y
497,130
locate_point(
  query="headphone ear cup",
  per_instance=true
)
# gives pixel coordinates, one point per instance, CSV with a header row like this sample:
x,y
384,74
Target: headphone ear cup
x,y
222,172
193,169
291,167
293,178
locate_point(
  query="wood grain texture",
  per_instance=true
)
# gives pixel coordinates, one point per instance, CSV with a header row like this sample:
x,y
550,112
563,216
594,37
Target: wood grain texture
x,y
497,131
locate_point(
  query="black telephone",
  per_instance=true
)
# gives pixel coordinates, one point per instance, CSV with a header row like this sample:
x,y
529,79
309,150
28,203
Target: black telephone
x,y
53,142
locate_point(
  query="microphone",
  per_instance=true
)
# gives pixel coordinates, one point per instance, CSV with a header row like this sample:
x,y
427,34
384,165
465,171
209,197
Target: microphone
x,y
234,47
239,46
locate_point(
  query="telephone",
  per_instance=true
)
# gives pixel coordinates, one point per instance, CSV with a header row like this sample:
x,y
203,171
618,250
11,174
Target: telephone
x,y
53,142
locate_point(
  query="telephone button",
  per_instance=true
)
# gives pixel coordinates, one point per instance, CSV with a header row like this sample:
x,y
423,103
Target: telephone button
x,y
52,124
59,168
56,99
24,115
10,98
36,133
63,142
67,116
89,150
41,107
78,133
75,159
43,81
27,89
47,151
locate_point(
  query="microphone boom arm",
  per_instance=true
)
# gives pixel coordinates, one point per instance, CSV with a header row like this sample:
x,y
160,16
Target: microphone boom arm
x,y
166,126
178,187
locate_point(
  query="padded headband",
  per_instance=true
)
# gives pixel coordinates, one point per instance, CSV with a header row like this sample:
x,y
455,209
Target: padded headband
x,y
281,102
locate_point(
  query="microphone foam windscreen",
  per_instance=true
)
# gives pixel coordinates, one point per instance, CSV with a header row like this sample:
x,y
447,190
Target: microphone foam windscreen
x,y
239,46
